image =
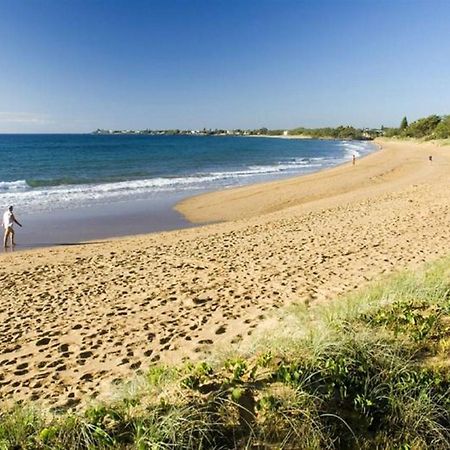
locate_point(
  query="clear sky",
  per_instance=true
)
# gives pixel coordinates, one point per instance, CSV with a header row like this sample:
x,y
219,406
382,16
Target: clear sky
x,y
74,66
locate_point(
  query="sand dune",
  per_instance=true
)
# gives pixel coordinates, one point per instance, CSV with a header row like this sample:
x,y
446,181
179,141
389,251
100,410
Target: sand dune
x,y
75,319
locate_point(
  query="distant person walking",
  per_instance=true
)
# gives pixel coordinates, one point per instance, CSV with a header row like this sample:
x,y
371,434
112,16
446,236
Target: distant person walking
x,y
353,159
8,223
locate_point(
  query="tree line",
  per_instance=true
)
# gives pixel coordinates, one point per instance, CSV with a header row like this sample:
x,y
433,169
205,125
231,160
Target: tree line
x,y
431,127
340,132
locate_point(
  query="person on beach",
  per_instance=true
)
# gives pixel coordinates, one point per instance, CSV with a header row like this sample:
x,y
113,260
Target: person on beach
x,y
8,224
354,159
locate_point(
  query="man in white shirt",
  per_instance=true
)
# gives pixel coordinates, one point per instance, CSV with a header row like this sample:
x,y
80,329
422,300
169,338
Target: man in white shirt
x,y
8,221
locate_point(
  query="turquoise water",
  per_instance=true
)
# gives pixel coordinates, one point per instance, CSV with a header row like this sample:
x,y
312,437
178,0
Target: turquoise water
x,y
49,172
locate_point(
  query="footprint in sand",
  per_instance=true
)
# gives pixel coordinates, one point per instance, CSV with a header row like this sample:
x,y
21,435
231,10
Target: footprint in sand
x,y
236,339
221,329
63,348
22,366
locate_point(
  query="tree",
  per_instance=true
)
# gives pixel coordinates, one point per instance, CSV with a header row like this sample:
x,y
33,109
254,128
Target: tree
x,y
442,131
423,127
404,124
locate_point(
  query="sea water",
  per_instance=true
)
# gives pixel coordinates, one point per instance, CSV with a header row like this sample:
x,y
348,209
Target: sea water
x,y
43,173
71,188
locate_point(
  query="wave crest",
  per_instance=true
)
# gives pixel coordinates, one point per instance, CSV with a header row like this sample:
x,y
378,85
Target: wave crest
x,y
44,195
13,186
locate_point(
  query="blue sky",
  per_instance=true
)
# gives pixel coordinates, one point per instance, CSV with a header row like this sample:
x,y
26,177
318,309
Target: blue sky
x,y
74,66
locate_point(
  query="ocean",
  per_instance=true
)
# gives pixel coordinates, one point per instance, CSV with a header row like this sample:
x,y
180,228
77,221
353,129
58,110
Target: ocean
x,y
57,175
48,172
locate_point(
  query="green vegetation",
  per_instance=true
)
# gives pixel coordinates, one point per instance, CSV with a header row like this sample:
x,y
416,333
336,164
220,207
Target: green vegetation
x,y
265,132
341,132
431,127
368,371
404,124
442,130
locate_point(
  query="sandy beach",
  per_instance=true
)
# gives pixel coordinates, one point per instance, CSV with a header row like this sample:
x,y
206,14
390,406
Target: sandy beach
x,y
75,319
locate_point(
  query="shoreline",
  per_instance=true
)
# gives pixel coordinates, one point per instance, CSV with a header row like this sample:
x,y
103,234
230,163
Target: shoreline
x,y
194,211
75,320
82,225
157,212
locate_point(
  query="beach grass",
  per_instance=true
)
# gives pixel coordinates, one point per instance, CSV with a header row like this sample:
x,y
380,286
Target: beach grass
x,y
366,371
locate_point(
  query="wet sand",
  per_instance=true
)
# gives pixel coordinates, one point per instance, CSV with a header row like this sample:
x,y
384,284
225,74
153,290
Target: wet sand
x,y
121,218
75,319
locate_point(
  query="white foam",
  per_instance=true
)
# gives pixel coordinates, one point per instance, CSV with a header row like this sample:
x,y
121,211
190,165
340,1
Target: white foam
x,y
44,198
66,196
11,186
357,148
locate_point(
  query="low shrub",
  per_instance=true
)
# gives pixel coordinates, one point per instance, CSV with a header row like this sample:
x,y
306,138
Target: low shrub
x,y
363,372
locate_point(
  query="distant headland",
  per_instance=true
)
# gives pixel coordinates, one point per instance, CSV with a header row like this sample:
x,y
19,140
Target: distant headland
x,y
431,127
341,132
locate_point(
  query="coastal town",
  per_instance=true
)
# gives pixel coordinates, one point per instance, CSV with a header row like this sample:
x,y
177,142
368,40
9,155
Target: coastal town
x,y
342,132
203,132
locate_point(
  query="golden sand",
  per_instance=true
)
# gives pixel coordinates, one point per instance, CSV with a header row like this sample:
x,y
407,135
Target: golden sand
x,y
73,319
